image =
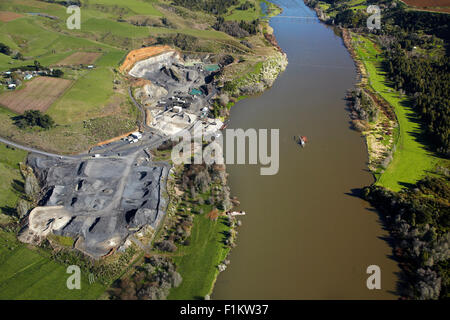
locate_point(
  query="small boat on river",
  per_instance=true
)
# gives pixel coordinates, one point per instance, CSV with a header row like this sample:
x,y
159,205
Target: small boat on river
x,y
301,140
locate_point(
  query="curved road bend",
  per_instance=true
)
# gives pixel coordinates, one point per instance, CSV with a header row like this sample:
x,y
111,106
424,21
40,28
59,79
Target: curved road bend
x,y
48,154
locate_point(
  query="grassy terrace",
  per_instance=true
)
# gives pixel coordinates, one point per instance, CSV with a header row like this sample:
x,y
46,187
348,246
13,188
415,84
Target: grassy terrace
x,y
411,159
10,174
247,15
352,4
30,274
197,263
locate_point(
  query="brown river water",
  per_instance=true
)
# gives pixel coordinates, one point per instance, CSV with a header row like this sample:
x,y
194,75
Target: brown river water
x,y
305,236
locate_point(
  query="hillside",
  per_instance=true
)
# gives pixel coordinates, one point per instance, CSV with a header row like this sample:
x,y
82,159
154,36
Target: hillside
x,y
35,30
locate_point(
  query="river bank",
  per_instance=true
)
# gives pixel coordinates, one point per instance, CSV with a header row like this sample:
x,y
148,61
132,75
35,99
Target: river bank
x,y
411,187
290,236
198,234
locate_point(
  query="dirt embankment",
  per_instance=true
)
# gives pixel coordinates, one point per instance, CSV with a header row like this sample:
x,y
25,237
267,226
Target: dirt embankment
x,y
142,54
384,106
361,70
6,16
430,5
375,133
273,41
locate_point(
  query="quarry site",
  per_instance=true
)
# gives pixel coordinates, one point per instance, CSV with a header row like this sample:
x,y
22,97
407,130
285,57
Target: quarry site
x,y
115,191
178,90
97,202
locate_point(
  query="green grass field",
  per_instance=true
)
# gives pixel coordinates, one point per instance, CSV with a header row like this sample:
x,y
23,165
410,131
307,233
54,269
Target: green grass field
x,y
352,4
411,159
30,274
247,15
81,102
137,6
197,263
9,173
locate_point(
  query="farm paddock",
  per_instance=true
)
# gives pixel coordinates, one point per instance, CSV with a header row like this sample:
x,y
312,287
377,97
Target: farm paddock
x,y
38,94
79,58
6,16
431,5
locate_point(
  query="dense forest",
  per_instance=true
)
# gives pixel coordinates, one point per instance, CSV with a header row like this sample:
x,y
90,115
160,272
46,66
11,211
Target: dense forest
x,y
427,81
424,78
419,220
236,29
215,7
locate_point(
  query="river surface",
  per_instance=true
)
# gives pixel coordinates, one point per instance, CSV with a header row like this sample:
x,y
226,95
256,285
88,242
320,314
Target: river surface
x,y
305,236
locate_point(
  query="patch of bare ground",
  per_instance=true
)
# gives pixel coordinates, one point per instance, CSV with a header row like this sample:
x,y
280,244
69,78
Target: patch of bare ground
x,y
379,134
6,16
141,54
430,5
380,142
38,94
79,58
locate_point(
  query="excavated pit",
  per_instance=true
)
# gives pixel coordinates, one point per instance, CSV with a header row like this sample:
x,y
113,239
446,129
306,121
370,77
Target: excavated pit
x,y
99,202
180,92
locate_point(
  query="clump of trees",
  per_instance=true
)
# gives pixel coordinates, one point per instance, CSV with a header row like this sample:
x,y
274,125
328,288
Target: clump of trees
x,y
181,231
5,49
150,281
246,6
32,118
183,41
56,73
418,219
105,271
427,81
363,106
215,7
36,66
166,245
351,19
251,27
231,28
199,178
65,3
236,29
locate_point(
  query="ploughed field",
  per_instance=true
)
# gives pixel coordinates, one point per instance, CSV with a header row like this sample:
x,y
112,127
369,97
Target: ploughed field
x,y
38,94
6,16
434,5
79,58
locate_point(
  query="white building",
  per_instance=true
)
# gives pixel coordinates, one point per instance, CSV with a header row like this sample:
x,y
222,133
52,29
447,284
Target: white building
x,y
137,135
